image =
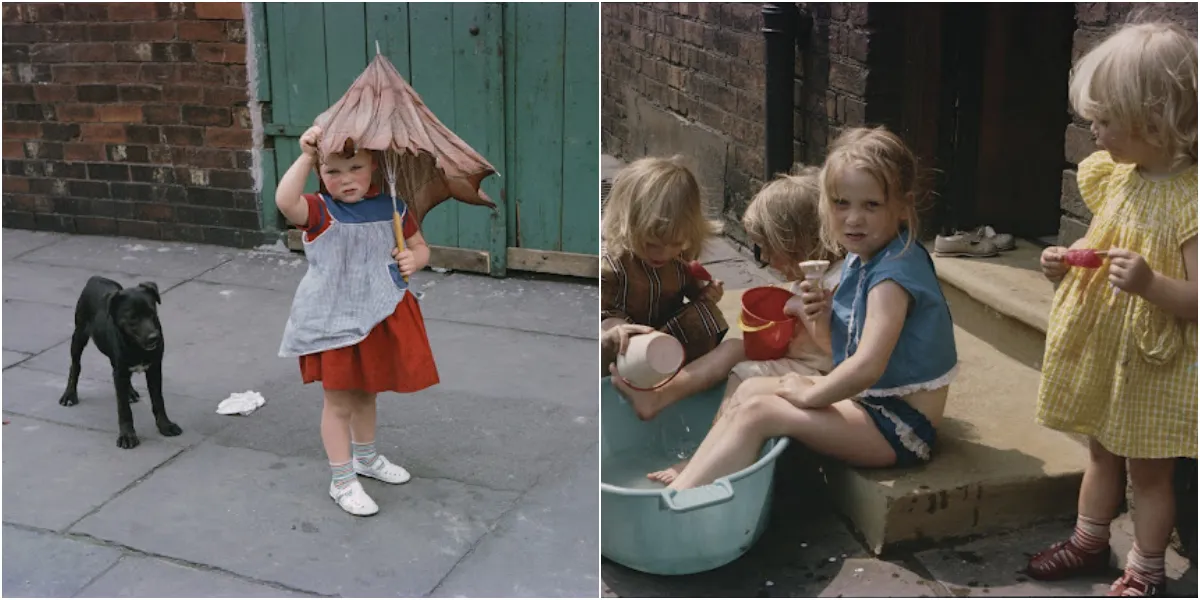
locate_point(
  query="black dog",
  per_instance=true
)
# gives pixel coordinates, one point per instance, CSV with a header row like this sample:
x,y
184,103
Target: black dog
x,y
124,324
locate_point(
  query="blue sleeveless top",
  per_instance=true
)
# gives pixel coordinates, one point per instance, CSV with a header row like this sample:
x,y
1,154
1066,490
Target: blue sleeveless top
x,y
925,357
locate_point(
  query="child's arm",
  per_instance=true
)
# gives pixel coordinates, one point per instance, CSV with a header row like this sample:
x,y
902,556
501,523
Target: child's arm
x,y
1129,271
815,311
887,306
288,194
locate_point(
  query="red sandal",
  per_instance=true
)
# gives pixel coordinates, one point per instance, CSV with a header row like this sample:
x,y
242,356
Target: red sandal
x,y
1064,560
1130,585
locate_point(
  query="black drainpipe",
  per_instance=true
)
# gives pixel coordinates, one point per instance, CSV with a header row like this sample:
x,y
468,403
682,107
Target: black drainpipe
x,y
779,33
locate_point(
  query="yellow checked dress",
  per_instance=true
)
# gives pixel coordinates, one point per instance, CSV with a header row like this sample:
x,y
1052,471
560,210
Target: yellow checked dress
x,y
1118,368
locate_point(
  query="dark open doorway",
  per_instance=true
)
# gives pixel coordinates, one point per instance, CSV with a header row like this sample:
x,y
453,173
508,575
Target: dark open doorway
x,y
985,104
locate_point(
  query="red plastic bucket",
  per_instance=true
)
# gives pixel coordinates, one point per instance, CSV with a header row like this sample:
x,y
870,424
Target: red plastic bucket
x,y
766,330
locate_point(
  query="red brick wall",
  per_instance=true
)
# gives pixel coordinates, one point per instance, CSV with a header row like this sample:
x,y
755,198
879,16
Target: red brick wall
x,y
128,119
705,63
1096,21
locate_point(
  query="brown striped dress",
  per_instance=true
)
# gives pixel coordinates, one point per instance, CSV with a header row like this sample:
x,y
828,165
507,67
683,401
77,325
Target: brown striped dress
x,y
665,298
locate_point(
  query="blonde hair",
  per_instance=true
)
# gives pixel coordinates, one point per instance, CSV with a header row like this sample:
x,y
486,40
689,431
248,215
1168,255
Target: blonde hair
x,y
785,216
1144,78
656,200
882,155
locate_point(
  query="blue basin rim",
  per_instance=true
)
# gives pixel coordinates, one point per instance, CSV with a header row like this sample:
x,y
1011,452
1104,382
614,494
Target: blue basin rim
x,y
713,488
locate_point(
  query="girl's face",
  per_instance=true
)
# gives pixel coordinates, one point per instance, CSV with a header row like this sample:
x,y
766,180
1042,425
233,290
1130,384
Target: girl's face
x,y
1122,144
348,179
658,253
864,220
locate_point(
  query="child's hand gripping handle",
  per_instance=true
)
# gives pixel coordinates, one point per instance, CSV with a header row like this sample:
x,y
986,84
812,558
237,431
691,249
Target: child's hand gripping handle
x,y
398,227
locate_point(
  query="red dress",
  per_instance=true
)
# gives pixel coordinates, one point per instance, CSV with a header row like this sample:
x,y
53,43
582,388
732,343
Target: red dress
x,y
394,357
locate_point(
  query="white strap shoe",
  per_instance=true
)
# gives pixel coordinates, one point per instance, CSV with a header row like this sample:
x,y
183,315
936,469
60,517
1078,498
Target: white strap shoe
x,y
383,469
354,499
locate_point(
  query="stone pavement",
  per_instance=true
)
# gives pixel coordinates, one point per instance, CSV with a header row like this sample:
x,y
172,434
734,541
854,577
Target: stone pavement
x,y
808,550
503,452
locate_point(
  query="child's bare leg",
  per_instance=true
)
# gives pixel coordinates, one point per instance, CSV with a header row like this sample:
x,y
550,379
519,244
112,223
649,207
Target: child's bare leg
x,y
1153,516
1100,496
729,400
699,375
335,424
367,460
1103,484
844,431
362,421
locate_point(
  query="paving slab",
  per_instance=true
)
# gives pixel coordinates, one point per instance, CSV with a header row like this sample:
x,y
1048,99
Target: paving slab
x,y
88,470
33,327
143,577
61,286
993,566
543,548
720,250
800,554
871,577
125,255
270,518
278,271
20,241
12,357
40,564
536,366
35,394
480,436
532,304
219,339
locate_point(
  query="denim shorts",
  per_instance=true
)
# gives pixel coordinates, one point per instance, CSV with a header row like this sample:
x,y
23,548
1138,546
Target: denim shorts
x,y
906,430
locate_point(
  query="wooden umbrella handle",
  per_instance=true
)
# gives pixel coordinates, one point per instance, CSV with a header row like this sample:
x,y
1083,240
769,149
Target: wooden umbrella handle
x,y
398,227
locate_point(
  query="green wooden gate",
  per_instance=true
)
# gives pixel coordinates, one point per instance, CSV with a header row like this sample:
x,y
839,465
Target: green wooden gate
x,y
518,82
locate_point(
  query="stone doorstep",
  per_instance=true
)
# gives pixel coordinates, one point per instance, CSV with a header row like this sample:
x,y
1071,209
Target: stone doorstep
x,y
1003,300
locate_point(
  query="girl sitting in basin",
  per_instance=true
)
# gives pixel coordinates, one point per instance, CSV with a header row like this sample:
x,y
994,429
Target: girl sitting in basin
x,y
887,326
654,224
783,221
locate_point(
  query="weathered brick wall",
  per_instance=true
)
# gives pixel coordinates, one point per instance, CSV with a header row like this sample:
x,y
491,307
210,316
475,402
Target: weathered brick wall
x,y
705,63
1096,20
128,119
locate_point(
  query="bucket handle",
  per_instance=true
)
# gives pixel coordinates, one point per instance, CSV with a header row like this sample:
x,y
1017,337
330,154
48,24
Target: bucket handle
x,y
718,492
749,328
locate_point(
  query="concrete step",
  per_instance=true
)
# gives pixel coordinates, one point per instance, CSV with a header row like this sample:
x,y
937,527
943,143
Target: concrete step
x,y
1003,300
995,469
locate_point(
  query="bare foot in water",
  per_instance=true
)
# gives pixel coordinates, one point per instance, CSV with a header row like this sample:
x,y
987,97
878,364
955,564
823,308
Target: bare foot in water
x,y
647,404
666,476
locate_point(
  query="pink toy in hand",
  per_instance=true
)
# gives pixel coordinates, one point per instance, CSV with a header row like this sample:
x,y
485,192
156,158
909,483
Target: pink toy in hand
x,y
1088,259
698,271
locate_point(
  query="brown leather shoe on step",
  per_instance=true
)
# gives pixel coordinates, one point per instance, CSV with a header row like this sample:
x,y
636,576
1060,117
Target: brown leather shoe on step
x,y
1064,560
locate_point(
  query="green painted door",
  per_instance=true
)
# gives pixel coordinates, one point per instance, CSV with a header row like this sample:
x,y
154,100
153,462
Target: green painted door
x,y
518,82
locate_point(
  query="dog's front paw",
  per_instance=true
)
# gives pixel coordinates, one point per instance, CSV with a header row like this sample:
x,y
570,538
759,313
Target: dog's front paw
x,y
169,429
69,398
127,440
133,396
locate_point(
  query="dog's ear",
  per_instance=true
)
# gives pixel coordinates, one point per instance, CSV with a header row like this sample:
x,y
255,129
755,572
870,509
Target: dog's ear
x,y
152,289
112,300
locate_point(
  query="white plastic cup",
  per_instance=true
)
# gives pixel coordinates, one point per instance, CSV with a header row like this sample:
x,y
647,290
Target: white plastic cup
x,y
650,360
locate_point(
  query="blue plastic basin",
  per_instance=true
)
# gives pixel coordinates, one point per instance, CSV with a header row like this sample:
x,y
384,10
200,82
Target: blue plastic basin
x,y
647,527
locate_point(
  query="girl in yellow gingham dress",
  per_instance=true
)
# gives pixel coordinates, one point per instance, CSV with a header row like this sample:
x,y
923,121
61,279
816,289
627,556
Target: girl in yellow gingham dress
x,y
1120,363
